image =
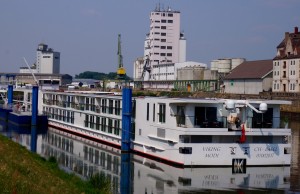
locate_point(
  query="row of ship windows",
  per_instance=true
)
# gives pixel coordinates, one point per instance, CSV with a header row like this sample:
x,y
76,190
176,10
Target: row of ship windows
x,y
106,106
104,124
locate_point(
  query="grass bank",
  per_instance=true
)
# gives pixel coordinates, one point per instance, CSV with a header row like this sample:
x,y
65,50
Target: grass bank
x,y
22,171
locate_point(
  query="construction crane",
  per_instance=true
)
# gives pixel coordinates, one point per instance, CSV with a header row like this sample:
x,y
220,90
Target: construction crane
x,y
121,72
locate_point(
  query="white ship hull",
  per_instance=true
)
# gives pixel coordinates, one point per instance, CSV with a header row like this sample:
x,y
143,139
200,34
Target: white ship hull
x,y
174,131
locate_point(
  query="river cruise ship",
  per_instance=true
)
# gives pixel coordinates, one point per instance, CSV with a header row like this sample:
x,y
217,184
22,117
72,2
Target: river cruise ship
x,y
185,132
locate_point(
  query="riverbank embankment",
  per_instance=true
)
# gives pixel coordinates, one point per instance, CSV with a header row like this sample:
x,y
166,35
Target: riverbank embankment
x,y
22,171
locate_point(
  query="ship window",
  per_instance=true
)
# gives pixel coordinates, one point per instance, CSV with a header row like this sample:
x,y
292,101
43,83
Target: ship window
x,y
103,124
110,125
162,113
153,112
117,127
205,116
185,150
180,116
97,122
262,139
147,111
103,104
117,107
86,122
264,120
87,104
110,106
196,139
184,181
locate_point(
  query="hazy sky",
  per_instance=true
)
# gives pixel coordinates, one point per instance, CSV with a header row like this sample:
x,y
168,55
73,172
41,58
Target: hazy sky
x,y
85,32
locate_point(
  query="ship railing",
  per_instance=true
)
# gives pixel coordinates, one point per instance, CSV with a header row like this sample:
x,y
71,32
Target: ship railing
x,y
222,122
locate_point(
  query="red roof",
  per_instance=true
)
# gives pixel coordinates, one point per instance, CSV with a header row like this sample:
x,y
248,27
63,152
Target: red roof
x,y
251,70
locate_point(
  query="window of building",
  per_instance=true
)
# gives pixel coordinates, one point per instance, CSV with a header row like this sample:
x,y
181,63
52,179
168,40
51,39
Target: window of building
x,y
170,21
162,113
163,40
170,15
169,54
162,54
163,47
163,34
147,111
169,47
156,27
163,21
156,32
163,27
157,21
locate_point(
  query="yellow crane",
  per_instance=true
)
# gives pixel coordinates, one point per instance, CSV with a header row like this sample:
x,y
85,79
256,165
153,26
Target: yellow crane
x,y
121,72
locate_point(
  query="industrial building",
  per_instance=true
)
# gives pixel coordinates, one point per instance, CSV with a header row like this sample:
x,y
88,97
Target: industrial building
x,y
47,61
165,56
165,44
250,77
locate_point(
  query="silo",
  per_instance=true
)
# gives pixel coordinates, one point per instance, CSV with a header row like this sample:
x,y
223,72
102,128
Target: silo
x,y
224,65
214,65
236,62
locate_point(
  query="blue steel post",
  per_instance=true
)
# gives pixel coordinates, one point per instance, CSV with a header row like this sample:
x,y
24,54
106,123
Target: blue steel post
x,y
34,117
126,119
126,183
10,94
34,105
33,137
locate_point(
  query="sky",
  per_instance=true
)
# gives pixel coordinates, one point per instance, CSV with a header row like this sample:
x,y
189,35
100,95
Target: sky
x,y
85,32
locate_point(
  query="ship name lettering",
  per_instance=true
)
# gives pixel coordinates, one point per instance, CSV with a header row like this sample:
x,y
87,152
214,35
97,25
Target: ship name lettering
x,y
257,149
271,149
212,149
211,177
211,155
265,155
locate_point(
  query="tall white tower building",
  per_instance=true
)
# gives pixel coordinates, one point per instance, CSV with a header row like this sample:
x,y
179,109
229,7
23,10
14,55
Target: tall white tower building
x,y
47,61
165,43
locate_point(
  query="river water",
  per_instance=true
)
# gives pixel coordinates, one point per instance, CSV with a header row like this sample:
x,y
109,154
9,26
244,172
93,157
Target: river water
x,y
134,174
